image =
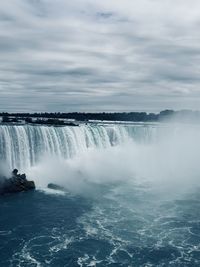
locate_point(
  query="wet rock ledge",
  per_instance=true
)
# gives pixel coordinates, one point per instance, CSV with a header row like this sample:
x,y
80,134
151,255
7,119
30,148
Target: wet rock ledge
x,y
16,183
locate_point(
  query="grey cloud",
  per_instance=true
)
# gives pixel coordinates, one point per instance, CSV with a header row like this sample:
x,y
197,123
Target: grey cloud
x,y
99,55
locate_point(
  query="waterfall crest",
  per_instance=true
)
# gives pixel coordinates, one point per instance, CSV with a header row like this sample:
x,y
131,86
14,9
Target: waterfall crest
x,y
21,146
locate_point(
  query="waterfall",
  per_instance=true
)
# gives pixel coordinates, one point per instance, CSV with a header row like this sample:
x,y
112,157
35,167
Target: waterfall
x,y
21,146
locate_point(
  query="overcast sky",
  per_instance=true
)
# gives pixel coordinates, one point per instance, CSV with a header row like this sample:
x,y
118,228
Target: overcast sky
x,y
99,55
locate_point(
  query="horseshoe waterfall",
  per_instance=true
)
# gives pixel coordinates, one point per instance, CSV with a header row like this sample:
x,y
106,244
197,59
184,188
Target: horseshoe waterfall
x,y
106,195
23,146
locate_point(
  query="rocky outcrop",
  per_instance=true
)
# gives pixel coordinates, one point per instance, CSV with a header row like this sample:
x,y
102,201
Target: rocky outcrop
x,y
16,183
55,187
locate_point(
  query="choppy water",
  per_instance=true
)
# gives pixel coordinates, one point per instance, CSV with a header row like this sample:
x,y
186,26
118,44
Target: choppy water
x,y
120,226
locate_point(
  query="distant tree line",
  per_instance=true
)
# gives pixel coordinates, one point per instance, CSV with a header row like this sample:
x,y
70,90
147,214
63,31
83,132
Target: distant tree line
x,y
182,115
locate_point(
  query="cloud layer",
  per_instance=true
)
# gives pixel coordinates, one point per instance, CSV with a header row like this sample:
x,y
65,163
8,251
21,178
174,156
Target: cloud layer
x,y
108,55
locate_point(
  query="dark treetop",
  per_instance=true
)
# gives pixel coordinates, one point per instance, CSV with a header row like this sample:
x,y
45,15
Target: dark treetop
x,y
182,115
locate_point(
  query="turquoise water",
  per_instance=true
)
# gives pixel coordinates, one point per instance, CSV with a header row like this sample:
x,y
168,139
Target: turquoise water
x,y
119,226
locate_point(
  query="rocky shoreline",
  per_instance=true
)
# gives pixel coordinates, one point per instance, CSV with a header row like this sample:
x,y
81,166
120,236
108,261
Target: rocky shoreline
x,y
16,183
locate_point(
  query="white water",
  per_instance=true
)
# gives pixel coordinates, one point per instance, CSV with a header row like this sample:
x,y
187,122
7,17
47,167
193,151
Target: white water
x,y
24,146
77,157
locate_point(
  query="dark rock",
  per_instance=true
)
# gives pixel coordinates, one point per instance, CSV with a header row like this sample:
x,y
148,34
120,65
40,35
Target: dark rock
x,y
17,183
55,187
23,176
15,172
